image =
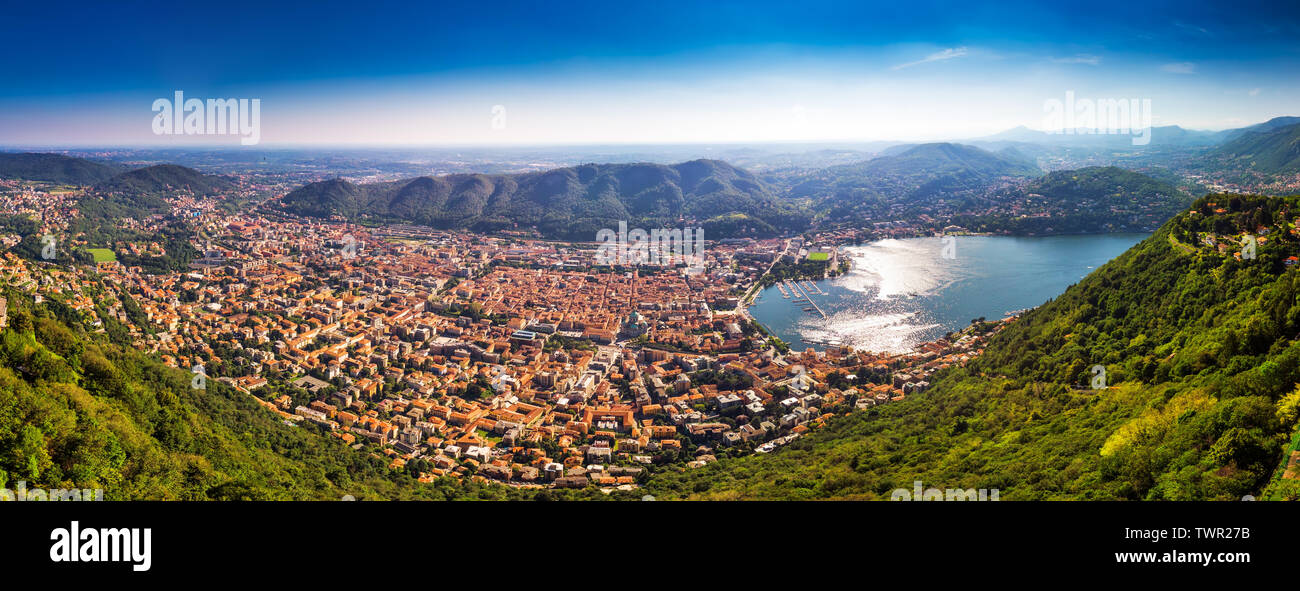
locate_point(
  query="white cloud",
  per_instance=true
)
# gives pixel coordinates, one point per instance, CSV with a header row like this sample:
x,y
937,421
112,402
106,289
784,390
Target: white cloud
x,y
938,56
1192,28
1253,92
1079,58
1179,68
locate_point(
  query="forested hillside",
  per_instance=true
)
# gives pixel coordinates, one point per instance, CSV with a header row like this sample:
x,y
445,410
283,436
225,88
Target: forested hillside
x,y
1094,199
917,172
1199,345
77,411
140,192
53,168
1273,149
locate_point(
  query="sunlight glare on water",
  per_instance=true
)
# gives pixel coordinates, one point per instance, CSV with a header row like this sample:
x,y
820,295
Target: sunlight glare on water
x,y
902,292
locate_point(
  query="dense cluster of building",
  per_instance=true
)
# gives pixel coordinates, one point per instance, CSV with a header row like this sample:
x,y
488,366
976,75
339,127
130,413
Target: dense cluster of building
x,y
509,359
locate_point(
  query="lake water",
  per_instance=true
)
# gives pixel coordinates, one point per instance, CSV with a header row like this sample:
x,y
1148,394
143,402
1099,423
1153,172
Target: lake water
x,y
903,292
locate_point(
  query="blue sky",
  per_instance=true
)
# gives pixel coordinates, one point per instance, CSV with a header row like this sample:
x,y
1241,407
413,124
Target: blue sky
x,y
660,72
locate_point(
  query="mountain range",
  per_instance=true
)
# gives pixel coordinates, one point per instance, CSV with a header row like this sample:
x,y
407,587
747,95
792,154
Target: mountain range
x,y
1101,197
944,159
572,202
139,193
164,178
1093,199
575,202
1160,136
1271,150
908,177
54,168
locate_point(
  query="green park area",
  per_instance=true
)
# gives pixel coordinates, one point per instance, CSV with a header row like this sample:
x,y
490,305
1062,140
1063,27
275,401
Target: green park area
x,y
102,254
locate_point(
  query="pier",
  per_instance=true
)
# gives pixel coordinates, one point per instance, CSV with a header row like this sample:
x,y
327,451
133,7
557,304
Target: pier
x,y
803,295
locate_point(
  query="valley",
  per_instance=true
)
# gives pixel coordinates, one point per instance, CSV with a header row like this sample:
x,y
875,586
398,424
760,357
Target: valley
x,y
445,335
